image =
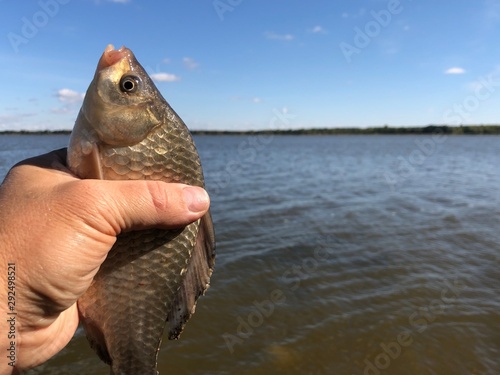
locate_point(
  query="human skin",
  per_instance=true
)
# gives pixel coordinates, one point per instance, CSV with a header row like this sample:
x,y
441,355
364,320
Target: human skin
x,y
57,230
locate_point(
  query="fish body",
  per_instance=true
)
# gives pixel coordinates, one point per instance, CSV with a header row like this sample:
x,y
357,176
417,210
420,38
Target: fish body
x,y
151,278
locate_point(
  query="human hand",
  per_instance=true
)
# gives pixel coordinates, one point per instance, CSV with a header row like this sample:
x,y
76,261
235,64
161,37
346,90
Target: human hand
x,y
57,230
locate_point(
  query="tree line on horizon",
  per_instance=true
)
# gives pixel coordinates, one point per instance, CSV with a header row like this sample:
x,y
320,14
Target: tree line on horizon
x,y
429,129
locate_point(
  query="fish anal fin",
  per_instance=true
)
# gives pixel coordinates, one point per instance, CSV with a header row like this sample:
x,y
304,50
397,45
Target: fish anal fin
x,y
96,340
196,280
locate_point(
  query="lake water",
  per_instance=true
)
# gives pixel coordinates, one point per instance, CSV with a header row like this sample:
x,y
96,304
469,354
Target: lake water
x,y
337,255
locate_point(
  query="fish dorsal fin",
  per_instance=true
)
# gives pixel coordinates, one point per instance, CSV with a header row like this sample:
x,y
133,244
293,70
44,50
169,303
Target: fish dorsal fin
x,y
197,278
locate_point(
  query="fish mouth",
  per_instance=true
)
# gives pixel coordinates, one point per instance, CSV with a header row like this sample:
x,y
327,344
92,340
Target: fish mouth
x,y
112,56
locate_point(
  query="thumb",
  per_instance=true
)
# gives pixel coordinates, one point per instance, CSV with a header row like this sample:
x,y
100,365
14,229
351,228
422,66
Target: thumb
x,y
131,205
111,207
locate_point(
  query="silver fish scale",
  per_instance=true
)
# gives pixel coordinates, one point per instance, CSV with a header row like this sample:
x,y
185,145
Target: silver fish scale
x,y
166,156
150,263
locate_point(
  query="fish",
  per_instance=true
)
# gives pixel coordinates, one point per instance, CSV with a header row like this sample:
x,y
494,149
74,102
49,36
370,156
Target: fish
x,y
152,278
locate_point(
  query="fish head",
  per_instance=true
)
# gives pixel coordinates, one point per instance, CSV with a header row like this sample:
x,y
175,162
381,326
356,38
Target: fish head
x,y
122,106
120,103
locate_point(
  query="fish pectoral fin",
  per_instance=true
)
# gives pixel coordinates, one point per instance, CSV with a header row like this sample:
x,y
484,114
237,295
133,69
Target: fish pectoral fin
x,y
196,280
91,164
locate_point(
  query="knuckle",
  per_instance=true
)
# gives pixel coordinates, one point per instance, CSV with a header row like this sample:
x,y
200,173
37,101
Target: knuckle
x,y
158,195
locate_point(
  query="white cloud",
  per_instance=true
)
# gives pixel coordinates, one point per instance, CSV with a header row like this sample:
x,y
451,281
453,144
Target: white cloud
x,y
455,70
318,30
246,99
72,100
165,77
190,63
14,121
274,36
388,46
354,15
63,110
99,2
70,96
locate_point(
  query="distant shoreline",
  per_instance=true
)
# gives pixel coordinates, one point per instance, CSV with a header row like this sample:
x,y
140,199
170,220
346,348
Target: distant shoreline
x,y
385,130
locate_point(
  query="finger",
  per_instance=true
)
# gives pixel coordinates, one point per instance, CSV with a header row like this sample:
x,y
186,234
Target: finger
x,y
130,205
54,160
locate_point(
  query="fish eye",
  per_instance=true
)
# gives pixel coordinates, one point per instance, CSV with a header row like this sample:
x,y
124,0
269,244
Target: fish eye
x,y
130,83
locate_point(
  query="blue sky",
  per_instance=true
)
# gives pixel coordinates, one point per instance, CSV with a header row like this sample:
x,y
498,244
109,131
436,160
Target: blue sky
x,y
256,64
